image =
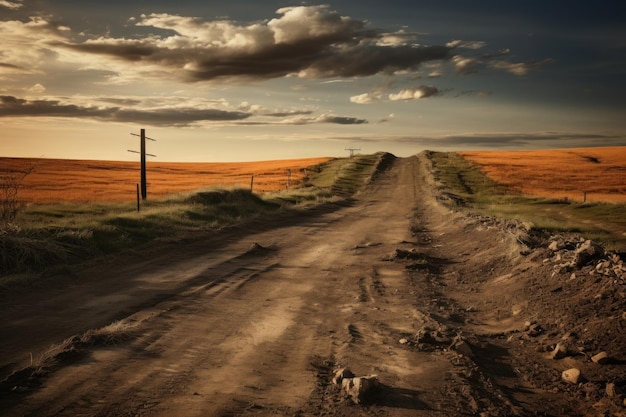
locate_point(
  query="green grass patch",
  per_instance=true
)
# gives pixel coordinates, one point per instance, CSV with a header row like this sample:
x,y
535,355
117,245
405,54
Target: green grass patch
x,y
467,186
333,180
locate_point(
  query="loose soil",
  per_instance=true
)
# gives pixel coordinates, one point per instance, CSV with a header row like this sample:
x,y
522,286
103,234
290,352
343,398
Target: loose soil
x,y
456,314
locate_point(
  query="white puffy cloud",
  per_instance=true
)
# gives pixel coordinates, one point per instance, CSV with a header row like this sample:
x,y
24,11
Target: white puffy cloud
x,y
464,65
37,89
365,98
415,93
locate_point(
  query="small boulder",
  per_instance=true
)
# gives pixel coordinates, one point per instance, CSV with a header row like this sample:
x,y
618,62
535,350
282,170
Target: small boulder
x,y
360,389
587,252
571,375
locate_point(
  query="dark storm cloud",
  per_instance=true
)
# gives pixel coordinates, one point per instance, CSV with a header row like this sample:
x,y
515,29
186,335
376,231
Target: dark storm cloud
x,y
288,113
310,42
343,120
129,50
11,106
15,107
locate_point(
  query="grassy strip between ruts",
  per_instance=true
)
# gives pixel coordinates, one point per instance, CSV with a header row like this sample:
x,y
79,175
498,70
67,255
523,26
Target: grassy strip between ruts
x,y
468,187
49,239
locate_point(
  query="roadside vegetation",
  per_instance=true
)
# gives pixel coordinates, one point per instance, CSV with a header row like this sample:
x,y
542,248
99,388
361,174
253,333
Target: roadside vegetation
x,y
466,186
43,240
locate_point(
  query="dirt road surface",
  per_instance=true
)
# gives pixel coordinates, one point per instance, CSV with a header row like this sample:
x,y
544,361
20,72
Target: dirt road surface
x,y
456,315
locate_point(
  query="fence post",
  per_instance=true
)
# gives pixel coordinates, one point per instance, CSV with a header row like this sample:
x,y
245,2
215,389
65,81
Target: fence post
x,y
138,206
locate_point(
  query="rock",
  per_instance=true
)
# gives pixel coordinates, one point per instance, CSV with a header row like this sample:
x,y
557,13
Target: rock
x,y
554,246
601,358
560,351
571,375
463,348
586,252
360,389
341,374
610,390
403,341
534,330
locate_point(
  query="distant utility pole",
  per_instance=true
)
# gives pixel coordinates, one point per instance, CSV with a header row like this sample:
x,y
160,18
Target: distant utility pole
x,y
288,173
142,152
352,151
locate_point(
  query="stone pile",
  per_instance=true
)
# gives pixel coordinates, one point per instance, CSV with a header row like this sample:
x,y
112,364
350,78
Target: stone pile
x,y
570,255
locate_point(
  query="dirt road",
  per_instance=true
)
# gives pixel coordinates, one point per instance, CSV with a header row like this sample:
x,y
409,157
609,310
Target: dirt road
x,y
253,323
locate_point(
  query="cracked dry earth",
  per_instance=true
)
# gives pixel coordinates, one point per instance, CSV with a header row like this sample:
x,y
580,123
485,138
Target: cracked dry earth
x,y
454,314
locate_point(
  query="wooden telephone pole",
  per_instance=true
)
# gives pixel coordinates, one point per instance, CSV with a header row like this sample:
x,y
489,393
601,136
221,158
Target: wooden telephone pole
x,y
142,152
352,151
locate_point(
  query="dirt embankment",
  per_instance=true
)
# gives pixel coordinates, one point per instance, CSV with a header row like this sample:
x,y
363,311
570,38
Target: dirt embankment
x,y
454,314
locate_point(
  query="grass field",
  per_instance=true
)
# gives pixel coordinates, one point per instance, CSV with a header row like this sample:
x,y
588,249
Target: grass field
x,y
97,214
586,174
82,181
74,211
543,188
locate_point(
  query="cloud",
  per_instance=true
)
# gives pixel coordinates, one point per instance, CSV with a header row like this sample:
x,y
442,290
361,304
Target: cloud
x,y
521,68
365,98
465,65
415,93
37,88
11,4
16,107
163,112
508,140
342,120
470,65
306,41
26,45
323,118
309,42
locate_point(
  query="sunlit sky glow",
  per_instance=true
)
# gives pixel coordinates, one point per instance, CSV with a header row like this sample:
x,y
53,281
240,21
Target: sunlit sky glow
x,y
248,80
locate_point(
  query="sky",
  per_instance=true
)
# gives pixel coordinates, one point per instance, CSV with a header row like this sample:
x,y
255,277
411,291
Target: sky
x,y
261,80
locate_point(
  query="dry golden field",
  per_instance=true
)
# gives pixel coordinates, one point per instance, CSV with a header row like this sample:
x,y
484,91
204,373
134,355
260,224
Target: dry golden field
x,y
59,180
561,173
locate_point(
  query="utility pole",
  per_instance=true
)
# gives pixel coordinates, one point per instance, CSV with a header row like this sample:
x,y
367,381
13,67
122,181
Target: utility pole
x,y
352,151
142,152
288,173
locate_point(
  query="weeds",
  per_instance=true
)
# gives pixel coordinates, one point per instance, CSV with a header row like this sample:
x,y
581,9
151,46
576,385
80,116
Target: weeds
x,y
11,180
84,231
466,185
